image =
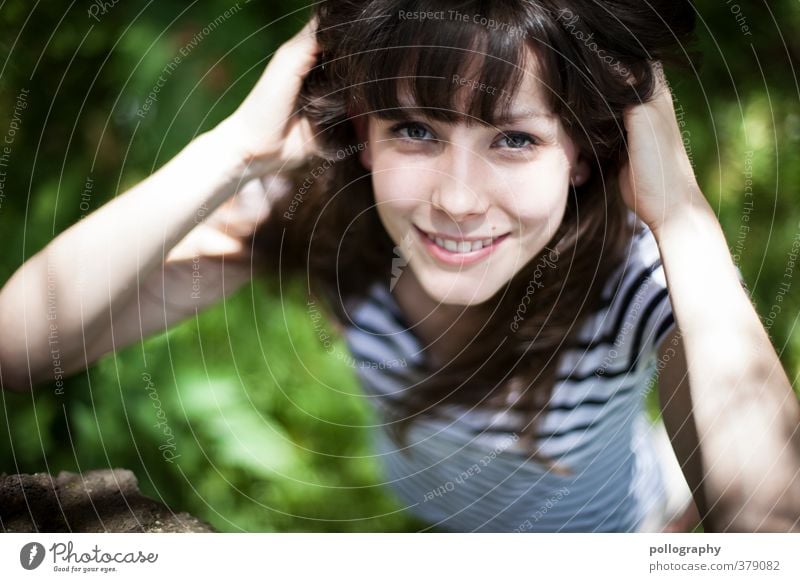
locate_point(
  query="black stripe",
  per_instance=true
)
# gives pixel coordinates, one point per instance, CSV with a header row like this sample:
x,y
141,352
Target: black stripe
x,y
662,329
610,337
645,320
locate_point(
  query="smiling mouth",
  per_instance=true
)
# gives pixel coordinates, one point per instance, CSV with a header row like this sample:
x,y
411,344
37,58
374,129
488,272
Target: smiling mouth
x,y
461,246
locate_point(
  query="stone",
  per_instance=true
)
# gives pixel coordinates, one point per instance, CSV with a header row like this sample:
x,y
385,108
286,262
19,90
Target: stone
x,y
106,500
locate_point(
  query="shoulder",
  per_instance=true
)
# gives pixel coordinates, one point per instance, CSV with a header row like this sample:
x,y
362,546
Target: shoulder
x,y
637,313
639,273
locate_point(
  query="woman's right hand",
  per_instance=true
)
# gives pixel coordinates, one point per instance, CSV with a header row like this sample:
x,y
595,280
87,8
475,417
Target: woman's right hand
x,y
265,132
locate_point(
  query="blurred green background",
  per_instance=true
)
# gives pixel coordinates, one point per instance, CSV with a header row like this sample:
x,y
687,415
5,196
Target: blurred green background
x,y
267,425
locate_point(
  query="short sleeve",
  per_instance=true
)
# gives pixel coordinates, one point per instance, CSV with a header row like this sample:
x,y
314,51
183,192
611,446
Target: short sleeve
x,y
651,310
644,306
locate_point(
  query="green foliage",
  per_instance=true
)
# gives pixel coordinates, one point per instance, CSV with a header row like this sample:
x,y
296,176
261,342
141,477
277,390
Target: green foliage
x,y
267,431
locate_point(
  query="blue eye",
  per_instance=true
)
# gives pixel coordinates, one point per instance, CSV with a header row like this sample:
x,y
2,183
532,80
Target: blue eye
x,y
414,131
517,141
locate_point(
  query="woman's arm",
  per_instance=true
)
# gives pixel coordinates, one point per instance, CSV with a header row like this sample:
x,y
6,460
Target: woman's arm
x,y
65,296
61,304
745,413
210,263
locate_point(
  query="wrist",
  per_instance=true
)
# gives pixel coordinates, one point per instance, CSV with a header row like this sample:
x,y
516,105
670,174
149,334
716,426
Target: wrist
x,y
683,211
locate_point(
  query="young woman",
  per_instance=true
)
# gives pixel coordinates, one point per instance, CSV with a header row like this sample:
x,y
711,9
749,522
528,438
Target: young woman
x,y
494,203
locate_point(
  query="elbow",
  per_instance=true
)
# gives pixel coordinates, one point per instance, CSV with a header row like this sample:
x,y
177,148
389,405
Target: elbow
x,y
755,518
12,381
14,373
773,523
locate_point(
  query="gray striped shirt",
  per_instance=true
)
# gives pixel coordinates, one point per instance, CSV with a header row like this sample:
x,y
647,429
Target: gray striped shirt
x,y
468,470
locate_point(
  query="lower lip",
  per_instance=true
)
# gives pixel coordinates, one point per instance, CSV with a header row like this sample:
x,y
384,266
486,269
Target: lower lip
x,y
458,259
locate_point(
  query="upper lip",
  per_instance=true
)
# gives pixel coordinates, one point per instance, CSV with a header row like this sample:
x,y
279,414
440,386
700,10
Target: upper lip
x,y
458,238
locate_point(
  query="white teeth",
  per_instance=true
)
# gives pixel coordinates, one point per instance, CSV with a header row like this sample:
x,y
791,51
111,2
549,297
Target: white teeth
x,y
461,246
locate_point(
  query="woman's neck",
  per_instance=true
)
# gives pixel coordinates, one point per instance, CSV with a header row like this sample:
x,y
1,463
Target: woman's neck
x,y
443,329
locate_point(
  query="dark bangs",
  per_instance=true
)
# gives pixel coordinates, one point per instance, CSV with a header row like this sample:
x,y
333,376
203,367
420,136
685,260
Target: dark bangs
x,y
453,65
378,56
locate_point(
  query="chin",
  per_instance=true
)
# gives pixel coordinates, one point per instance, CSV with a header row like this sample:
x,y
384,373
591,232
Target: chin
x,y
458,290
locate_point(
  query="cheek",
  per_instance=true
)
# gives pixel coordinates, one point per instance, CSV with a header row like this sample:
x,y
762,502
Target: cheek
x,y
537,195
399,186
397,197
392,188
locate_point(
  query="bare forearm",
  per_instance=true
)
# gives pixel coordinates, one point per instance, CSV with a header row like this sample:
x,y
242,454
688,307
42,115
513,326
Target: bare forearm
x,y
747,416
65,294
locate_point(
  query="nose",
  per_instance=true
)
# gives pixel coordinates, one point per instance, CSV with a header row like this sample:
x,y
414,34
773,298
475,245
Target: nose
x,y
459,188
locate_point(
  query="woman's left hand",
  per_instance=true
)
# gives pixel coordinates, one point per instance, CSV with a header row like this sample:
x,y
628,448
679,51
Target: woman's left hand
x,y
657,180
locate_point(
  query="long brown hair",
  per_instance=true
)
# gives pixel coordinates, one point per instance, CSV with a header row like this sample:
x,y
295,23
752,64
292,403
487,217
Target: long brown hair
x,y
594,59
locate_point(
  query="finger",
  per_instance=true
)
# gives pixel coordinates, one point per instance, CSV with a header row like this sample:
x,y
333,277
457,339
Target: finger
x,y
272,100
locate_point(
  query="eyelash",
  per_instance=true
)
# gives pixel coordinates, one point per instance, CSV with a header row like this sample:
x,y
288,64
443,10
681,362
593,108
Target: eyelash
x,y
396,129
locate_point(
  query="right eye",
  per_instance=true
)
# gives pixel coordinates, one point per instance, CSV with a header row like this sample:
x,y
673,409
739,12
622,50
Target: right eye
x,y
412,131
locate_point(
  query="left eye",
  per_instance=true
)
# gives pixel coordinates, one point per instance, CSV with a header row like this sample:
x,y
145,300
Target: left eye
x,y
516,140
413,131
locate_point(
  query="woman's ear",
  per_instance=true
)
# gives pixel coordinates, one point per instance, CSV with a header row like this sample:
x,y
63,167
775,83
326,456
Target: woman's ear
x,y
581,172
361,124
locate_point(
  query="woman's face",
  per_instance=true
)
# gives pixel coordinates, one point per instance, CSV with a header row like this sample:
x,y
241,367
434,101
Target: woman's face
x,y
469,205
